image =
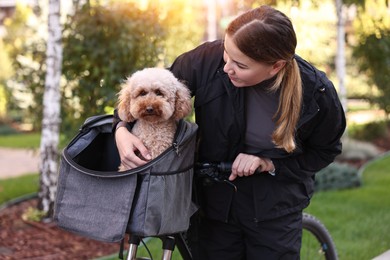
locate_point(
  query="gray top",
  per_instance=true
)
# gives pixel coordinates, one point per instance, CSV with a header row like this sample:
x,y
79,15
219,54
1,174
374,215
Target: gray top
x,y
260,107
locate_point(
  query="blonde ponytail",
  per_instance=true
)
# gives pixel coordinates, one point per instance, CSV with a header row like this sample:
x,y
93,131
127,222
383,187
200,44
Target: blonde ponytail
x,y
289,109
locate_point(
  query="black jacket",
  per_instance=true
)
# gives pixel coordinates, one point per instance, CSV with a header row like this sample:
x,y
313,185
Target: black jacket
x,y
219,108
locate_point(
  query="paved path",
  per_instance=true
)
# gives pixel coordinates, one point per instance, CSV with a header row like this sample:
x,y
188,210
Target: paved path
x,y
16,162
384,256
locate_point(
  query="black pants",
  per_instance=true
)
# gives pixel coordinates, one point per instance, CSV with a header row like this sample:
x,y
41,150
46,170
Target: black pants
x,y
244,238
274,239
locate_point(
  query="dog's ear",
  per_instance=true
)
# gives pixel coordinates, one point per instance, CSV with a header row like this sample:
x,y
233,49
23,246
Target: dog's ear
x,y
124,100
183,104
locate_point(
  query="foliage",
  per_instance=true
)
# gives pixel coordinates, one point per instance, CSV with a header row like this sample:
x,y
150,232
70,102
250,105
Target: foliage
x,y
374,59
337,176
317,38
6,69
357,150
368,132
25,48
372,50
6,129
102,46
33,214
184,27
5,73
3,102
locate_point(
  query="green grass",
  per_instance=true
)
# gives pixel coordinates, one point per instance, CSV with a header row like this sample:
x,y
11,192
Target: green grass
x,y
153,244
358,218
27,140
15,187
30,140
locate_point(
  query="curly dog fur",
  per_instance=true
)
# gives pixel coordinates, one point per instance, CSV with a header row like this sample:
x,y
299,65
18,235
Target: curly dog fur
x,y
155,99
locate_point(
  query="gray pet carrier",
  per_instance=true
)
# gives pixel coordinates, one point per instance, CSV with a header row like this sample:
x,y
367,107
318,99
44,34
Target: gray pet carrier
x,y
95,200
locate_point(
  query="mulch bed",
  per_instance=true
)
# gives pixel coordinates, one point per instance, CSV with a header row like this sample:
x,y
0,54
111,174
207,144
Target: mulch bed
x,y
20,239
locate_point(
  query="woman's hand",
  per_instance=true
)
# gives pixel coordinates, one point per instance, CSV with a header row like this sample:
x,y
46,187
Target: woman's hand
x,y
246,165
131,149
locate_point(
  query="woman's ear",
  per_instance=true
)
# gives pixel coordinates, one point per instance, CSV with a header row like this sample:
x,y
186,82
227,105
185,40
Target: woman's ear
x,y
277,66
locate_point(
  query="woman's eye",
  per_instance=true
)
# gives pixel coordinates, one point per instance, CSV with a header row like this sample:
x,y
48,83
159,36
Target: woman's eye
x,y
241,66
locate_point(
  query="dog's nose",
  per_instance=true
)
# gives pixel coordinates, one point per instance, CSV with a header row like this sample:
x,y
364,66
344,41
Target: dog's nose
x,y
149,110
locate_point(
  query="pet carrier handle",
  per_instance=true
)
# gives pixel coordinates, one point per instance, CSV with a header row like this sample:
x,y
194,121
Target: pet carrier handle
x,y
97,120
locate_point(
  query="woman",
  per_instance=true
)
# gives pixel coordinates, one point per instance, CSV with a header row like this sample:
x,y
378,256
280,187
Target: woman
x,y
262,107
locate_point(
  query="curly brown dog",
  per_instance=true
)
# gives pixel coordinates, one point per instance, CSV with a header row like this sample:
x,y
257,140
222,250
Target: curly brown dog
x,y
155,99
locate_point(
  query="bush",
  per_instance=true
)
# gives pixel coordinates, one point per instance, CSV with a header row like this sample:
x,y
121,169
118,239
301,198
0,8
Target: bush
x,y
369,131
6,130
337,176
357,150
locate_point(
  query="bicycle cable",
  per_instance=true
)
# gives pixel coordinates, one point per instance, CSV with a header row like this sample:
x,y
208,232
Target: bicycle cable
x,y
147,249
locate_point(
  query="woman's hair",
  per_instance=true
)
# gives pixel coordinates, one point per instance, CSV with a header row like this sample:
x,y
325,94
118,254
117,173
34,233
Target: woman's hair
x,y
267,35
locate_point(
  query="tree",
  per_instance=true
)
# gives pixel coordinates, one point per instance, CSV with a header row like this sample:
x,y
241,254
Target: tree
x,y
374,59
24,47
102,46
51,112
372,49
340,53
5,73
340,60
183,24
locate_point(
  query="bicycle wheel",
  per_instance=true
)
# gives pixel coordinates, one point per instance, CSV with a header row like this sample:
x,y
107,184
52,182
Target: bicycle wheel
x,y
316,240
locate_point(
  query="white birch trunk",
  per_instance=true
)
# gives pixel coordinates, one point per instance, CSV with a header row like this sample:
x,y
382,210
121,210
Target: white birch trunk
x,y
51,112
340,54
211,20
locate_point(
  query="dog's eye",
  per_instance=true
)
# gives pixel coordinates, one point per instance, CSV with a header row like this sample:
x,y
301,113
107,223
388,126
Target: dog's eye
x,y
158,93
142,93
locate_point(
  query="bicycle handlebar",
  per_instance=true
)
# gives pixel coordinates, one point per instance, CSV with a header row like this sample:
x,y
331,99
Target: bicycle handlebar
x,y
224,167
217,171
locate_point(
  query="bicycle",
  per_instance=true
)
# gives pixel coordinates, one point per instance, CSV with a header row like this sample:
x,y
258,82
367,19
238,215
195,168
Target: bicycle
x,y
317,242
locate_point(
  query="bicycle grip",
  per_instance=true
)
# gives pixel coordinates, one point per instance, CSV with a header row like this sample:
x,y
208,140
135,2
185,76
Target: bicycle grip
x,y
225,167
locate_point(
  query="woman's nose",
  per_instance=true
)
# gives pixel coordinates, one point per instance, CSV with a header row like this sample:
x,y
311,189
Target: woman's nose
x,y
227,69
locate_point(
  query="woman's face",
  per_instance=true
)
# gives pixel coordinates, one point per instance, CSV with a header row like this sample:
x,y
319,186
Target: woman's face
x,y
242,70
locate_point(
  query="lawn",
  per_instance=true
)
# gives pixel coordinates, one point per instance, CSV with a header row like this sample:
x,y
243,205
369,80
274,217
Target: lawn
x,y
20,140
359,218
26,140
15,187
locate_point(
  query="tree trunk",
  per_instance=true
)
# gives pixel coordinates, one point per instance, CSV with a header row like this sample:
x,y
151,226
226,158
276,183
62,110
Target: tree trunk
x,y
51,112
340,54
